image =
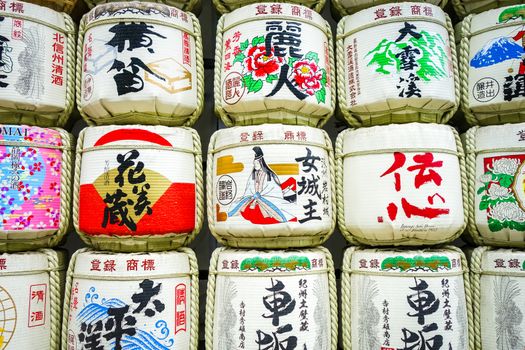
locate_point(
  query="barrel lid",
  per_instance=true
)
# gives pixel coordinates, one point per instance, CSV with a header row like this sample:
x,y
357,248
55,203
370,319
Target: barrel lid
x,y
382,261
98,264
139,10
29,11
131,135
498,18
396,137
496,137
30,134
272,11
267,133
399,12
23,262
258,261
503,261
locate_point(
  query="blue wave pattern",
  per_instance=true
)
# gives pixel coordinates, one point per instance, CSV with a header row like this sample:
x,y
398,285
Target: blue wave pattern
x,y
95,313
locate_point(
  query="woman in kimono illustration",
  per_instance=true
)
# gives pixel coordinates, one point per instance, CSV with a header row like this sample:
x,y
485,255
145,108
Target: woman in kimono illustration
x,y
264,200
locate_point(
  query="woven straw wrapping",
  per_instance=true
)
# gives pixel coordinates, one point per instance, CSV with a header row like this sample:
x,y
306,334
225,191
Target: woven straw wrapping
x,y
466,7
409,239
185,5
347,306
314,316
145,242
347,7
282,234
225,6
11,240
31,283
284,106
32,102
497,296
100,279
144,113
66,6
490,67
506,146
402,113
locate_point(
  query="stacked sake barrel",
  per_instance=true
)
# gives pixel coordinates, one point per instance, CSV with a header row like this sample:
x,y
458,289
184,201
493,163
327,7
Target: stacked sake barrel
x,y
271,181
36,98
401,179
138,186
491,51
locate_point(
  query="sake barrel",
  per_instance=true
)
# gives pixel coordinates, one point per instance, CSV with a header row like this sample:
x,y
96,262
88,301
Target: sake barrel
x,y
401,184
397,66
274,63
271,299
466,7
36,64
499,305
131,301
495,157
30,290
35,187
346,7
271,186
138,188
395,299
224,6
185,5
140,63
492,66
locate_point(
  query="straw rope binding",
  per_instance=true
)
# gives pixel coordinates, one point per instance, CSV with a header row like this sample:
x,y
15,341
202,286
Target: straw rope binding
x,y
133,243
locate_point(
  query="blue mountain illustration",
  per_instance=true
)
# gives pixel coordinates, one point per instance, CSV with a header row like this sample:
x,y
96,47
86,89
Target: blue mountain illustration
x,y
496,51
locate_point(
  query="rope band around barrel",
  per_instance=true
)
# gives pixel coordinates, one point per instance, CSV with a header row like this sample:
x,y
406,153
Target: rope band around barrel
x,y
275,17
389,21
31,144
401,150
132,278
270,142
38,21
143,147
497,150
99,22
403,274
249,274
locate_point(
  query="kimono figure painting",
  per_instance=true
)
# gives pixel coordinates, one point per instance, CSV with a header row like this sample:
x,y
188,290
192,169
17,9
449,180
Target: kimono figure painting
x,y
266,200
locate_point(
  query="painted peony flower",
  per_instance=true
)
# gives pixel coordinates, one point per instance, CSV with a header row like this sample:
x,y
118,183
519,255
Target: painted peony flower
x,y
507,211
496,191
485,178
307,76
260,64
505,166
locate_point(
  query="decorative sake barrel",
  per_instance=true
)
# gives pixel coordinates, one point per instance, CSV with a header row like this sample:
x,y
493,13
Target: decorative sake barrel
x,y
492,66
495,158
31,307
132,301
185,5
466,7
271,186
37,50
499,306
140,63
224,6
403,299
397,65
35,186
279,299
274,64
401,184
347,7
138,188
